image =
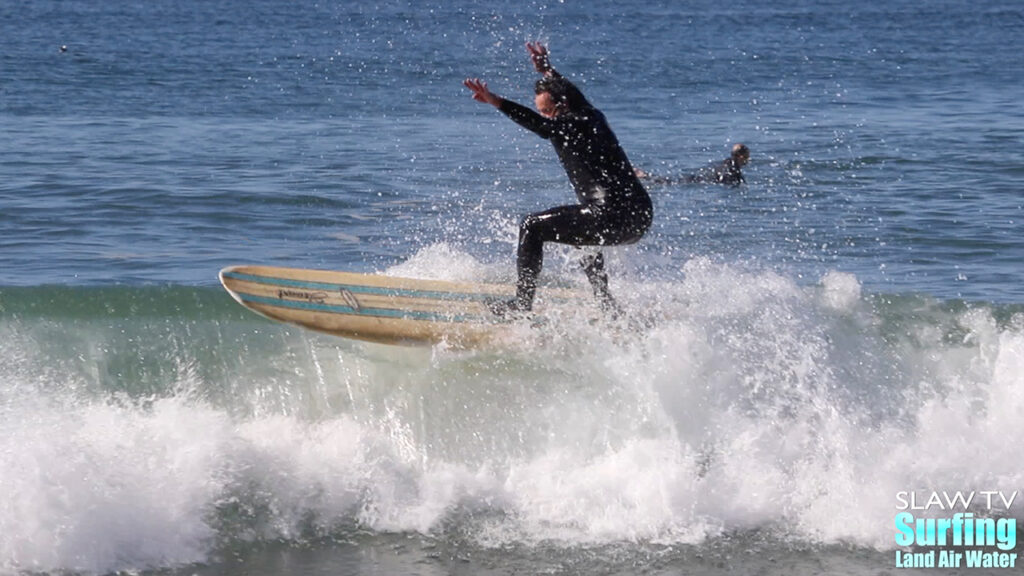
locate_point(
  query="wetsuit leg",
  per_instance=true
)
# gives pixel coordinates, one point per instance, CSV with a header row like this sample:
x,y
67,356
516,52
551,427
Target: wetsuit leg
x,y
534,230
575,225
593,267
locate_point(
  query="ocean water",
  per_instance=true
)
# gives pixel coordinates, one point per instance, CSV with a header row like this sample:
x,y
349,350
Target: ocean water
x,y
847,325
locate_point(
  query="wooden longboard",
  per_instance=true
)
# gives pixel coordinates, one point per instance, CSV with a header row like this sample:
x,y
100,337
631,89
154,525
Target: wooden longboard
x,y
377,308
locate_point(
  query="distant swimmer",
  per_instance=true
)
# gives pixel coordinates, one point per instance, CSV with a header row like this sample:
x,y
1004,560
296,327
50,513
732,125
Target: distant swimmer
x,y
613,207
725,172
728,170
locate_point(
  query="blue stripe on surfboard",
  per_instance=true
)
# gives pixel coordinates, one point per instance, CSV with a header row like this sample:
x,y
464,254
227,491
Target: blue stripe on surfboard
x,y
361,289
372,312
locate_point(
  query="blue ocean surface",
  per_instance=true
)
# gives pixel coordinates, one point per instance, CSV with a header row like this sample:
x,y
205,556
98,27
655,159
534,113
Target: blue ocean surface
x,y
847,324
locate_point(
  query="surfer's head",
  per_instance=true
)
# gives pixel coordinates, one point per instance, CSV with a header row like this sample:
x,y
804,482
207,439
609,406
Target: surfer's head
x,y
740,154
556,95
546,104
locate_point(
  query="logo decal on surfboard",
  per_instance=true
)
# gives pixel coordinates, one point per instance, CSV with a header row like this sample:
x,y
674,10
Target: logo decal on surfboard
x,y
349,299
315,297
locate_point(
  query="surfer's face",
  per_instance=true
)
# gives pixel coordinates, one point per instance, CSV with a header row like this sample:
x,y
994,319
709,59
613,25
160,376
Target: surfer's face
x,y
545,104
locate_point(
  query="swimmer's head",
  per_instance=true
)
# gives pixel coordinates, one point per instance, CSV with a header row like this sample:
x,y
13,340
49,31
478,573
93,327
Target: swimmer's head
x,y
740,154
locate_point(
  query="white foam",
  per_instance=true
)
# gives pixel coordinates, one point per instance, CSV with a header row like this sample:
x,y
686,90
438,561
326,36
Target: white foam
x,y
441,262
751,403
841,290
99,487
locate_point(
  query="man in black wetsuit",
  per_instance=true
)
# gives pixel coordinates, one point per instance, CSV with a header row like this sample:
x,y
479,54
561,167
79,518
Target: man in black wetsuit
x,y
725,172
728,170
613,208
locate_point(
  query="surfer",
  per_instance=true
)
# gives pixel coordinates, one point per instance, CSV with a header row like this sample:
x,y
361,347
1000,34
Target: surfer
x,y
613,207
725,172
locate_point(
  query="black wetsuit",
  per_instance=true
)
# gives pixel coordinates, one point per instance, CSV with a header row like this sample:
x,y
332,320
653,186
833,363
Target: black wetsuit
x,y
613,208
725,172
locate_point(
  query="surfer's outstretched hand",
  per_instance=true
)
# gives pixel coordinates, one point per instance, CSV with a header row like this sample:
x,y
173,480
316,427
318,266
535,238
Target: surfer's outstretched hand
x,y
541,61
480,92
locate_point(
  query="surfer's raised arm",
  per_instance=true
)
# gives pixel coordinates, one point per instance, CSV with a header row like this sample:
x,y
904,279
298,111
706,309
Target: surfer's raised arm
x,y
481,93
541,59
548,107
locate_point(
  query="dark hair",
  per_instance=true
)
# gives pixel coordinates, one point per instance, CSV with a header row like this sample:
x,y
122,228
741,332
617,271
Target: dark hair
x,y
566,95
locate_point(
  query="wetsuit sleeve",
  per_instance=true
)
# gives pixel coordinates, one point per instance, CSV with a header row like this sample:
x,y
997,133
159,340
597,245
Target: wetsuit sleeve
x,y
527,118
